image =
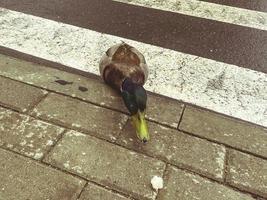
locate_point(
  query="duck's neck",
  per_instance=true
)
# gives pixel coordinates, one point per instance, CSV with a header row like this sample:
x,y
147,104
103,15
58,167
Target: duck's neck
x,y
128,85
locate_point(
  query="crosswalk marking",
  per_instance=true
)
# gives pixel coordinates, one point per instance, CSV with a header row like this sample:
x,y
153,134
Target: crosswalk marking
x,y
221,87
228,14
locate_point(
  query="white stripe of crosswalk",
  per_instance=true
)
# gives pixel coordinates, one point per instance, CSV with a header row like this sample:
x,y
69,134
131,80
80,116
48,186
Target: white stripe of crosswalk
x,y
222,13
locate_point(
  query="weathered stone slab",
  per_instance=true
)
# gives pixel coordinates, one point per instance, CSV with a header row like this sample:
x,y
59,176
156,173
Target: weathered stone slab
x,y
94,192
22,179
186,186
178,149
159,109
225,130
164,110
26,135
247,173
89,89
17,95
106,164
83,116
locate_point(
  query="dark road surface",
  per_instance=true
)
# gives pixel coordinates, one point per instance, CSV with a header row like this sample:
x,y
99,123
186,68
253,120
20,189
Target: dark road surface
x,y
229,43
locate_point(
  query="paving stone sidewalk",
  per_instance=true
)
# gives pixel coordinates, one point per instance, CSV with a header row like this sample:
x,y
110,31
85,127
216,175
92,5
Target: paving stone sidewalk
x,y
66,136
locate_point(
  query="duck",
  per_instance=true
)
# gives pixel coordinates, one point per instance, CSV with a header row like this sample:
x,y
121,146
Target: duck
x,y
124,69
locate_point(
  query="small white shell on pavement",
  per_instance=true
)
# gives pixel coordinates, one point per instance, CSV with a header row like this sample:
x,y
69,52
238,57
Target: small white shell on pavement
x,y
157,182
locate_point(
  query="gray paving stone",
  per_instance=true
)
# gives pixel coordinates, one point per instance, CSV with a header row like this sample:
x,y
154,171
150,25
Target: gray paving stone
x,y
259,198
178,149
22,179
248,173
225,130
17,95
89,89
106,164
83,116
26,135
182,185
164,110
94,192
159,109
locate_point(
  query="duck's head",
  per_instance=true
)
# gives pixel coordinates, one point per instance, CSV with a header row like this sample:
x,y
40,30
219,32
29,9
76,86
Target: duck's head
x,y
135,98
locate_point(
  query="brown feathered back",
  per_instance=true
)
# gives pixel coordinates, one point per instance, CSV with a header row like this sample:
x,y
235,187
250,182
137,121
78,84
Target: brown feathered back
x,y
121,61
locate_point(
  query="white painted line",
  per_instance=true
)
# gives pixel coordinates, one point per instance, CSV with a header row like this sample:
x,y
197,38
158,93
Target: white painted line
x,y
221,87
196,8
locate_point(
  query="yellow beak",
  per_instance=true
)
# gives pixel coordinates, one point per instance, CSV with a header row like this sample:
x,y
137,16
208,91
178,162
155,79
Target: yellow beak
x,y
140,126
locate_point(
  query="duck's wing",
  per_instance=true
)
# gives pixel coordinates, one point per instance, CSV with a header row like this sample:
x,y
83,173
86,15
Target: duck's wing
x,y
107,59
121,61
142,63
130,56
124,54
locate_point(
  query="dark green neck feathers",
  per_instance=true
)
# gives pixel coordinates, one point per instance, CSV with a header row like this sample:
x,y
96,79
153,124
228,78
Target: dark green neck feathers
x,y
134,96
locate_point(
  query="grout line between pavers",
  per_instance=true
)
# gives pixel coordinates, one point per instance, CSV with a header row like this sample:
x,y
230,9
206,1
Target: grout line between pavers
x,y
43,63
65,95
78,129
85,185
107,188
142,153
11,108
139,152
149,155
164,175
181,166
181,116
17,109
69,96
160,123
112,190
239,190
121,193
62,170
166,163
50,91
226,165
62,125
92,135
53,167
58,139
69,173
124,112
43,163
224,144
119,111
84,179
224,115
208,140
40,100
